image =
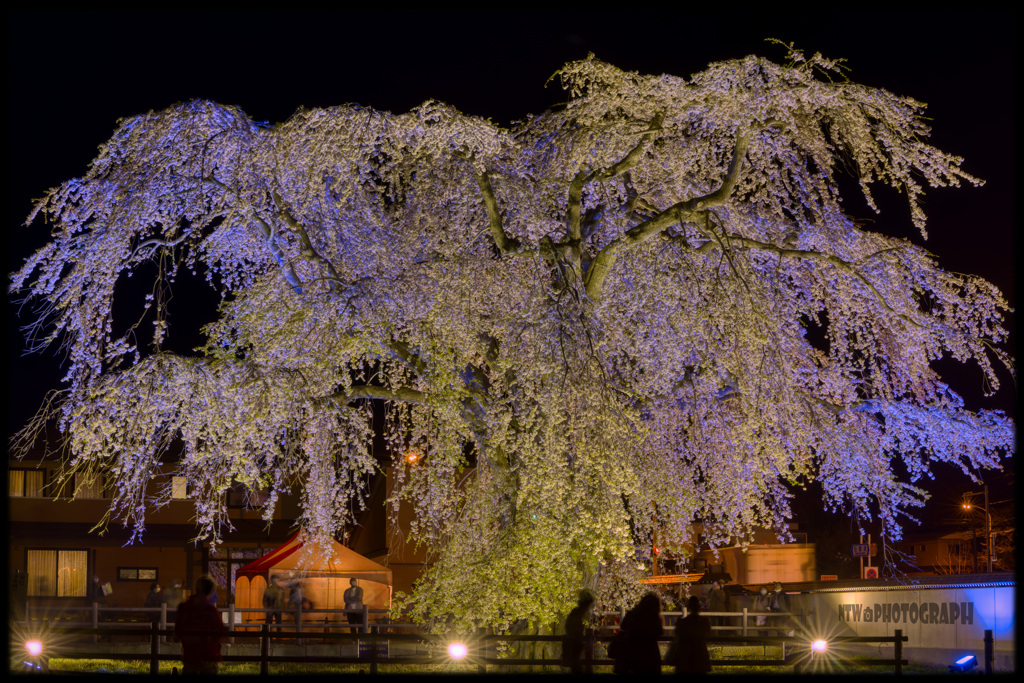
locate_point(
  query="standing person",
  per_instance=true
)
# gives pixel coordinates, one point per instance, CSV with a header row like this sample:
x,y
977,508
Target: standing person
x,y
214,598
200,630
575,632
690,645
779,602
154,600
96,592
354,601
295,600
717,602
641,628
274,600
98,597
173,597
762,603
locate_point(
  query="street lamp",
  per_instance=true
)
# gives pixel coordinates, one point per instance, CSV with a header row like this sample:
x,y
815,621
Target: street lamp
x,y
988,528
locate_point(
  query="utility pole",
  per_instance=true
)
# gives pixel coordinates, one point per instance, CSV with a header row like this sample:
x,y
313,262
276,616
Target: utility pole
x,y
988,533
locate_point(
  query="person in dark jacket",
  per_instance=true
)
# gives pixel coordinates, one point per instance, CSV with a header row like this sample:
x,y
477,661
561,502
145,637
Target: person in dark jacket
x,y
575,630
275,599
96,592
779,602
641,628
718,601
200,630
154,599
690,649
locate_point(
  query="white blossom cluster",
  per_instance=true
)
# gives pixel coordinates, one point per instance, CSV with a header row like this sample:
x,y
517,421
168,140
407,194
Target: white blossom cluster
x,y
596,327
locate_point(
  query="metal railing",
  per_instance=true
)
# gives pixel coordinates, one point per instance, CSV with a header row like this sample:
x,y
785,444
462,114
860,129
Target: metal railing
x,y
104,618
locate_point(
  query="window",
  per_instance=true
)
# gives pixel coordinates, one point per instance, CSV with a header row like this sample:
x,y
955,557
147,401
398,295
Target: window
x,y
179,488
59,573
90,485
136,573
24,483
222,565
240,497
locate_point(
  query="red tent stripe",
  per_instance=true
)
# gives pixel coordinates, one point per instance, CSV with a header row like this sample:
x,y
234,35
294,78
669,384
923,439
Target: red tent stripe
x,y
263,564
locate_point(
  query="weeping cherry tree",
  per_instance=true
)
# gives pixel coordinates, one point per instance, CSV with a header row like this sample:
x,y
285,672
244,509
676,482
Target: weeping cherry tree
x,y
598,325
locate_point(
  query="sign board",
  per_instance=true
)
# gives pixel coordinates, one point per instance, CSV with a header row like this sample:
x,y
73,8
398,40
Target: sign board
x,y
860,550
870,572
940,622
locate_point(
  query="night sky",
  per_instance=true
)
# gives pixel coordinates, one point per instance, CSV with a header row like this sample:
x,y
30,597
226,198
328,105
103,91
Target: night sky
x,y
72,75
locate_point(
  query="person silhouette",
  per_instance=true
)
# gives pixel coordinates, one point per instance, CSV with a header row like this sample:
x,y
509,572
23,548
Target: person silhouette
x,y
641,628
691,641
199,628
575,630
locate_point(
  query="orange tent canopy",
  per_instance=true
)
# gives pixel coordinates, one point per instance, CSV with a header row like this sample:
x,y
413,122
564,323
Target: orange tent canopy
x,y
323,581
288,559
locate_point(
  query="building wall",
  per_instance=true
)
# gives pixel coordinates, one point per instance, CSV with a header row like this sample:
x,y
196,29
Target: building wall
x,y
766,563
167,545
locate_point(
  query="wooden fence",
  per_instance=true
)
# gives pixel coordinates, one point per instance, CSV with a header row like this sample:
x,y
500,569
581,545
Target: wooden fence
x,y
374,641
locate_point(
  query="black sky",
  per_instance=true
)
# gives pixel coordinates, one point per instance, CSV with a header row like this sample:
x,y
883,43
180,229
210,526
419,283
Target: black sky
x,y
71,75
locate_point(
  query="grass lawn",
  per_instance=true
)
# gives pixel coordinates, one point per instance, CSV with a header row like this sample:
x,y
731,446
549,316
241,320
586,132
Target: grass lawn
x,y
87,666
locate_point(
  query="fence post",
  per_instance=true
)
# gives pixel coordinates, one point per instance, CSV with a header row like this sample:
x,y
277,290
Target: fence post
x,y
366,618
898,651
744,621
482,666
95,621
589,638
231,621
373,649
154,648
265,650
298,618
163,619
988,650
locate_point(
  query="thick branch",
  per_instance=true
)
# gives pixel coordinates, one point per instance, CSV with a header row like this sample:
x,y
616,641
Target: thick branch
x,y
278,253
502,241
583,178
605,260
403,394
308,251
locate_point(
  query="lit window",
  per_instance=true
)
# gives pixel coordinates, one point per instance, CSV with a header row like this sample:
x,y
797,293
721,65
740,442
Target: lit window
x,y
136,573
24,483
89,485
59,573
179,489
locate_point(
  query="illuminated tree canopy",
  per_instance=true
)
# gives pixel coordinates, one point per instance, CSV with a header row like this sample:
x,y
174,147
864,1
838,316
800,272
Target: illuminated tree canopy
x,y
604,322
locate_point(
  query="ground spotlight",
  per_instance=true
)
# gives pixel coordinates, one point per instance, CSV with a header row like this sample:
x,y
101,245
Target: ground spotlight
x,y
457,650
965,663
819,646
35,663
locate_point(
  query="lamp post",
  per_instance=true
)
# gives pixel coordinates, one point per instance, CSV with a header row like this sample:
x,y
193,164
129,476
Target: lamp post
x,y
988,528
